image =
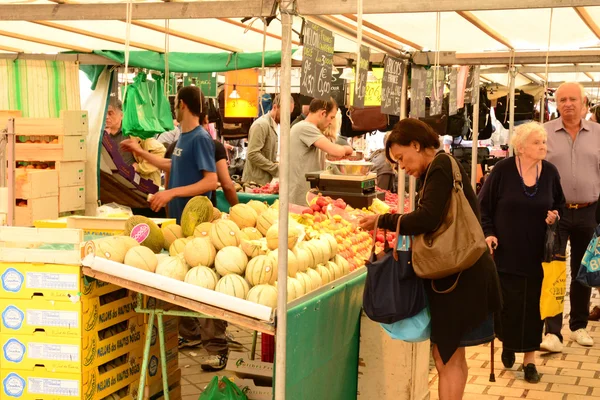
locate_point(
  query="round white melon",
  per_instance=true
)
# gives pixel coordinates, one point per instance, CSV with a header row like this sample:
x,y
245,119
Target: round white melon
x,y
173,267
335,270
141,257
171,233
292,262
326,275
329,239
231,260
253,248
260,270
303,258
203,230
233,285
199,251
263,294
203,277
243,215
252,233
273,236
224,233
305,280
315,277
178,246
266,219
258,206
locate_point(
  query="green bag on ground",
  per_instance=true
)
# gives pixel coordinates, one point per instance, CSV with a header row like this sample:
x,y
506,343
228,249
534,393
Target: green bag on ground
x,y
225,390
139,119
162,107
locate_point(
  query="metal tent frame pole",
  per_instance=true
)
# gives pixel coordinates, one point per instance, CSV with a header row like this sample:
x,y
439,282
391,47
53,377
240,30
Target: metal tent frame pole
x,y
513,75
474,144
401,172
287,8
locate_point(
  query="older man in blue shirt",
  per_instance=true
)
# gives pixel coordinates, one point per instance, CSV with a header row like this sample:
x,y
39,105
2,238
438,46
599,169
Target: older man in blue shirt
x,y
574,148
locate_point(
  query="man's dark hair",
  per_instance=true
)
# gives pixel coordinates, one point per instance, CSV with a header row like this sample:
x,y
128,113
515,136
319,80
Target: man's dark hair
x,y
411,130
115,103
596,111
193,98
317,105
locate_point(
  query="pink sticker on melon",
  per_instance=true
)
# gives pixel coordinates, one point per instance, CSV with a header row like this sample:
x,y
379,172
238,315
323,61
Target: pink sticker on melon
x,y
140,232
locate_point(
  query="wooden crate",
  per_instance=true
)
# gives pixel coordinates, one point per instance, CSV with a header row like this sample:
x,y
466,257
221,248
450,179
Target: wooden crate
x,y
68,148
70,123
71,173
23,245
36,209
71,198
35,183
6,114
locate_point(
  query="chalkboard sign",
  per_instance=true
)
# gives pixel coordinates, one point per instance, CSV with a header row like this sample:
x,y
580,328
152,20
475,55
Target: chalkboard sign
x,y
452,106
338,88
317,61
360,87
437,91
418,85
469,86
391,86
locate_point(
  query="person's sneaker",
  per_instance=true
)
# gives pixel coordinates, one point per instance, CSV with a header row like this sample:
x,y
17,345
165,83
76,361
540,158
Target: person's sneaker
x,y
551,343
183,343
582,338
214,363
232,343
508,358
531,374
594,314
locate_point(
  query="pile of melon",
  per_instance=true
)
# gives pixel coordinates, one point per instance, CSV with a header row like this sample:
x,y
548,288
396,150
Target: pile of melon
x,y
235,254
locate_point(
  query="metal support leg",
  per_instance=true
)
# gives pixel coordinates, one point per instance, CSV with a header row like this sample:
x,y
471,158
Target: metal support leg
x,y
254,339
163,357
144,371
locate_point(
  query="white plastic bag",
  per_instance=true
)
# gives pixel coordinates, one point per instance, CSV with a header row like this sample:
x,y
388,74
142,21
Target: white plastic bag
x,y
114,210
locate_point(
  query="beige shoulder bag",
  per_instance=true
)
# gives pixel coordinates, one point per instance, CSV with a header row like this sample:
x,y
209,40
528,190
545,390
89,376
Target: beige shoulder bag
x,y
456,244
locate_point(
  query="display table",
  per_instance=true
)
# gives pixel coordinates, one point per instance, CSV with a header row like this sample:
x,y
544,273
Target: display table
x,y
223,205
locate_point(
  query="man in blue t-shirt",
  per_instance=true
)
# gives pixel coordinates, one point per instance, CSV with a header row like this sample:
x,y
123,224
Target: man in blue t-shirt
x,y
191,169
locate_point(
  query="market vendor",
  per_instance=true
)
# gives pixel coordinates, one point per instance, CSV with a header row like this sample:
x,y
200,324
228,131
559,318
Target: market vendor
x,y
192,170
112,128
261,157
306,139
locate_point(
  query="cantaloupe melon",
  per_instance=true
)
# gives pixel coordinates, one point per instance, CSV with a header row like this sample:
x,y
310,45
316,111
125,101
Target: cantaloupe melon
x,y
224,233
171,233
273,236
316,279
233,285
294,289
145,231
203,277
110,248
252,233
258,206
292,262
253,248
266,219
231,260
324,248
243,215
316,253
335,269
199,251
342,262
263,294
326,275
260,270
305,280
173,267
302,257
216,214
203,230
178,246
198,209
331,242
128,242
141,257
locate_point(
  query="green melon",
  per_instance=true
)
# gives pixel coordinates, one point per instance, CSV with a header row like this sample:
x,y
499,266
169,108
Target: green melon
x,y
155,239
198,209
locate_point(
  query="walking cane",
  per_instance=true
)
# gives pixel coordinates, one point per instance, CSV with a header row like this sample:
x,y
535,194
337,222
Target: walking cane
x,y
492,374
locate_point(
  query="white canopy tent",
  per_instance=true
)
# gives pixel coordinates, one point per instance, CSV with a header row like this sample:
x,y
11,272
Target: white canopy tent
x,y
520,32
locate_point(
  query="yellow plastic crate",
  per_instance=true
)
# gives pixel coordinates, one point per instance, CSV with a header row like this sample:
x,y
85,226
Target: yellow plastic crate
x,y
78,318
70,355
95,226
53,281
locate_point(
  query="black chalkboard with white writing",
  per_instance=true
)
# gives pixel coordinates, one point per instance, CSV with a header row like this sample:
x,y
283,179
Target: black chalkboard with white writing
x,y
391,86
317,61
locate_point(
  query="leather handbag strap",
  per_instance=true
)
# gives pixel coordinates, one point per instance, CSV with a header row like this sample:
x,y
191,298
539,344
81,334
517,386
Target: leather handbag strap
x,y
450,289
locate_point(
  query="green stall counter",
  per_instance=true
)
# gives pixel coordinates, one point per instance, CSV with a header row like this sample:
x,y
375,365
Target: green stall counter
x,y
323,336
223,205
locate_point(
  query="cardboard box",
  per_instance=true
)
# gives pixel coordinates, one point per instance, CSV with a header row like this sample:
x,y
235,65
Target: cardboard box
x,y
52,281
78,318
35,183
242,366
90,385
71,198
70,355
70,173
170,326
253,392
154,371
156,389
36,209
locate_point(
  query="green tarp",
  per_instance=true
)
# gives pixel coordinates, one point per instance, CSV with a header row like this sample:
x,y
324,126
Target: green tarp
x,y
193,62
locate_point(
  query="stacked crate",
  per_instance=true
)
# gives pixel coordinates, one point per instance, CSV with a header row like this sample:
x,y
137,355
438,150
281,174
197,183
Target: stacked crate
x,y
50,144
63,337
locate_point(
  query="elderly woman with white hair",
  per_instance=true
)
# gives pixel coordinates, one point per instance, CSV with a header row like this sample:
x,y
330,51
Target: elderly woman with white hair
x,y
521,196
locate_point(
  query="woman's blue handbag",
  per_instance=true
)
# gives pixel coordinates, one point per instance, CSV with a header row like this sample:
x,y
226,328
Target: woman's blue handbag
x,y
589,272
413,329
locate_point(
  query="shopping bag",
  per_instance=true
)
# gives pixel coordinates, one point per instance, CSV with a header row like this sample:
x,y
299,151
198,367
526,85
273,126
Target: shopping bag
x,y
224,390
589,271
138,114
160,102
554,287
414,329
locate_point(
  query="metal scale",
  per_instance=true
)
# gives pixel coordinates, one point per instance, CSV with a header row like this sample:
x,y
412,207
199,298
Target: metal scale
x,y
356,191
